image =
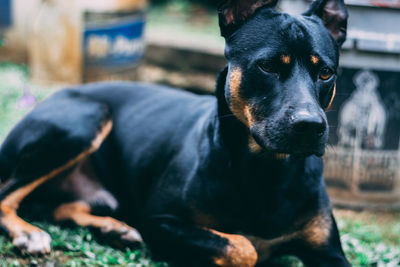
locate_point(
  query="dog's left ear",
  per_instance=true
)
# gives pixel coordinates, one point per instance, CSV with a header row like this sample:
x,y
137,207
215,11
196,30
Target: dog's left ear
x,y
333,14
233,13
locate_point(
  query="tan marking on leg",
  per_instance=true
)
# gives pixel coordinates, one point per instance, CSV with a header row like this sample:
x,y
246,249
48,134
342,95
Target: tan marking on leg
x,y
79,213
333,97
317,230
286,59
9,219
265,247
239,253
314,60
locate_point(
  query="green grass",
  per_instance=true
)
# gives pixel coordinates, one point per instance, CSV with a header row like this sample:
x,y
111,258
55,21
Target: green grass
x,y
12,79
369,239
76,247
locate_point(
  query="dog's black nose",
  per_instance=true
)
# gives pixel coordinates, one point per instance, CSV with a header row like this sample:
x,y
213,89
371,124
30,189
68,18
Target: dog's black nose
x,y
307,123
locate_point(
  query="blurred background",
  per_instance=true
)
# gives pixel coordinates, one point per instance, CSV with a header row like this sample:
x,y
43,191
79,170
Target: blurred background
x,y
46,45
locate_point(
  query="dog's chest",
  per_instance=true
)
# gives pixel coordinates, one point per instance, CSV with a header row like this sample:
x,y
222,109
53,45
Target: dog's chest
x,y
313,230
267,209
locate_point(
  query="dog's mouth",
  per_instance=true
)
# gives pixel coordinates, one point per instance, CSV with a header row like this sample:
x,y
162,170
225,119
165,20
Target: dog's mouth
x,y
308,152
285,146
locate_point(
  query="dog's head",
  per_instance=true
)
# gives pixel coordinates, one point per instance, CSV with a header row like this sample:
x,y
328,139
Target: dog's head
x,y
282,71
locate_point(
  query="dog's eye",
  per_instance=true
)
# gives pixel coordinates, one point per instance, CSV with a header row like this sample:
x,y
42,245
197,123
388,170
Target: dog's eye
x,y
266,67
325,74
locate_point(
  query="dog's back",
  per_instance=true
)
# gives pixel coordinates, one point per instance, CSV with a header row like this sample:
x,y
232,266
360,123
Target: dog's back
x,y
160,118
173,115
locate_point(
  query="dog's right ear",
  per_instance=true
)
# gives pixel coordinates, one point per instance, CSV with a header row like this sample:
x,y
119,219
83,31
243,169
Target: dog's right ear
x,y
333,14
233,13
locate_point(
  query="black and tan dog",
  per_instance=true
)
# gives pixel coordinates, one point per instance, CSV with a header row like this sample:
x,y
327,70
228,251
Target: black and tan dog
x,y
228,181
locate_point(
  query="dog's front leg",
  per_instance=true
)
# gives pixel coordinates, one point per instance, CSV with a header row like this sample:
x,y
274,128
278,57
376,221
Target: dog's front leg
x,y
321,250
194,246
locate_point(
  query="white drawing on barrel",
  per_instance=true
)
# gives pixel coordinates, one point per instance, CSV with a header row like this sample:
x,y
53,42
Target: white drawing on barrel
x,y
362,119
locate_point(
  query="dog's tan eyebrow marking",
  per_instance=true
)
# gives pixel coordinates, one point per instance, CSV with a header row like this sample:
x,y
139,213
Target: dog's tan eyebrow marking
x,y
286,59
314,59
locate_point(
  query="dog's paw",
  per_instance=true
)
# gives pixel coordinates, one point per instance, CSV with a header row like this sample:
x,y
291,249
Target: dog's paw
x,y
35,242
121,234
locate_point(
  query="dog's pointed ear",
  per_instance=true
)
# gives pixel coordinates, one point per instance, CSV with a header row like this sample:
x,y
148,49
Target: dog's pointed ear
x,y
233,13
333,14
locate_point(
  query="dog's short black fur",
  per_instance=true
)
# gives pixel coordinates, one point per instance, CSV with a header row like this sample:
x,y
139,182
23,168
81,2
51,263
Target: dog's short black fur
x,y
228,181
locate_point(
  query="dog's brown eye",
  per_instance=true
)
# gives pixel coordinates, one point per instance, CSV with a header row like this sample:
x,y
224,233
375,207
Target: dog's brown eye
x,y
265,67
325,74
